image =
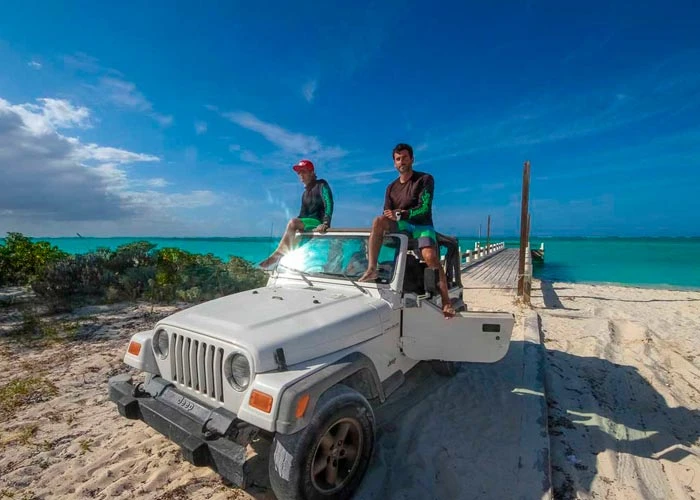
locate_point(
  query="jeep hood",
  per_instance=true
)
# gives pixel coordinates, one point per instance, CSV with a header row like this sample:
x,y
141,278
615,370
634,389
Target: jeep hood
x,y
306,322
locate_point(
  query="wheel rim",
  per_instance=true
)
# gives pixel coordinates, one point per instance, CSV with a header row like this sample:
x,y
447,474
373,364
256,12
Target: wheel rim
x,y
337,456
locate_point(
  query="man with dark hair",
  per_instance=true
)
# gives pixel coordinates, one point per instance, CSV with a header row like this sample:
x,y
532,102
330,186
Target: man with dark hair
x,y
408,203
315,213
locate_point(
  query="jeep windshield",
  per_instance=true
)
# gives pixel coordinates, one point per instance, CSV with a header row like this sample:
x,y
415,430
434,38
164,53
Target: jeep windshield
x,y
339,256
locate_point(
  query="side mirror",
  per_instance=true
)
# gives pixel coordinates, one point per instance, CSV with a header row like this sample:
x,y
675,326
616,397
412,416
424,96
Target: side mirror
x,y
431,280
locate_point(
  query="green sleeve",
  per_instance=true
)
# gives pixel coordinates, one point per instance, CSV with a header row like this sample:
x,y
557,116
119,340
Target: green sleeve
x,y
425,199
327,197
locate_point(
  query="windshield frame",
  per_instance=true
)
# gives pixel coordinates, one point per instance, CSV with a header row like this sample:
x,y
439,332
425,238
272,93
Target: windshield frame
x,y
300,272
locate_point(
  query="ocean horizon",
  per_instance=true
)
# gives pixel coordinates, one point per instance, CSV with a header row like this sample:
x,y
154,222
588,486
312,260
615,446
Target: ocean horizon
x,y
660,262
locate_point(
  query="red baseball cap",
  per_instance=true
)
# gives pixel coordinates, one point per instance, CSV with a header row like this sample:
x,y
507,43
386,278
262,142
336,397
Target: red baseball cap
x,y
304,166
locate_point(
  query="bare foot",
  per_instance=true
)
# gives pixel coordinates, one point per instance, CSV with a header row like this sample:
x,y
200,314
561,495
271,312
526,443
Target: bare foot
x,y
370,275
448,311
270,261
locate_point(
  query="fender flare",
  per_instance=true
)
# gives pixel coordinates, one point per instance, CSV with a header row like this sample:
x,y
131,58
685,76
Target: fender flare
x,y
316,384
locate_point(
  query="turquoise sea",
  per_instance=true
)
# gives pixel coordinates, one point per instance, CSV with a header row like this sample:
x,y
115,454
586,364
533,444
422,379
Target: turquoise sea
x,y
658,262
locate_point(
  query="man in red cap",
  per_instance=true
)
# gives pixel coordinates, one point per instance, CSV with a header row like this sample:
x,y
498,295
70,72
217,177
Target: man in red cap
x,y
315,213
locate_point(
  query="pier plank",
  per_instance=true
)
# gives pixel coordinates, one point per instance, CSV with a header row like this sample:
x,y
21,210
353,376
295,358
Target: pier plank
x,y
498,271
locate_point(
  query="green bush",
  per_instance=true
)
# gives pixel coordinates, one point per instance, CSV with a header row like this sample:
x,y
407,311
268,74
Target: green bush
x,y
134,271
129,256
74,280
22,261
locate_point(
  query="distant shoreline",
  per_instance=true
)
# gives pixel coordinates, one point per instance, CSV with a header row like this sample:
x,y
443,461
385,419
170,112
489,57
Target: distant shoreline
x,y
510,239
668,263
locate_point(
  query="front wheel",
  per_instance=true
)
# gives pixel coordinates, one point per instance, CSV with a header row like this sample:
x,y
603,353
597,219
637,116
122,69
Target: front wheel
x,y
329,457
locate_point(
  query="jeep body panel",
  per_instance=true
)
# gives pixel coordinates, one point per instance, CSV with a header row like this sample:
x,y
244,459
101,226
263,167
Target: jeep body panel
x,y
307,322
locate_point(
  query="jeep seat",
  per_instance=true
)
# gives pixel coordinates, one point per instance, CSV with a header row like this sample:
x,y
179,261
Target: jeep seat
x,y
415,266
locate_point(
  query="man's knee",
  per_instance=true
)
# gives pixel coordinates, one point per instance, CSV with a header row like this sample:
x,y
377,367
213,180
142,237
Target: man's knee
x,y
379,222
295,225
430,257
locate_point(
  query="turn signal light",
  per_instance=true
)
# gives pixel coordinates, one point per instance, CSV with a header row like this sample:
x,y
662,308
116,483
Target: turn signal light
x,y
261,401
134,348
301,405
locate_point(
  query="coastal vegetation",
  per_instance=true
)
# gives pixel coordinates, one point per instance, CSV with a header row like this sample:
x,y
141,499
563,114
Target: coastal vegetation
x,y
134,271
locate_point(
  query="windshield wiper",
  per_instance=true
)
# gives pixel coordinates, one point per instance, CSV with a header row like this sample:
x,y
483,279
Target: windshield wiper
x,y
303,274
347,278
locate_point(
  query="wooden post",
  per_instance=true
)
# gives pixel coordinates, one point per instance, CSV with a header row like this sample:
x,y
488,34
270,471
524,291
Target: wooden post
x,y
527,286
523,226
488,234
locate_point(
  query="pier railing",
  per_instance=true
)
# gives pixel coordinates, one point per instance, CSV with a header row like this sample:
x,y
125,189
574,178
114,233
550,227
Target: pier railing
x,y
480,253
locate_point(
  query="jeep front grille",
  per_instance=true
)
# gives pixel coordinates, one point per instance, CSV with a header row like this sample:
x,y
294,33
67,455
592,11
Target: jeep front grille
x,y
198,365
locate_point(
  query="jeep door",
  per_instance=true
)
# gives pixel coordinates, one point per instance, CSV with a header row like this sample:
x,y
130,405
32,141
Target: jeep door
x,y
482,337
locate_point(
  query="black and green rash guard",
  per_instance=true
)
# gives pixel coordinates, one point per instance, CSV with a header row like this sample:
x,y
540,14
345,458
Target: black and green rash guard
x,y
415,196
317,202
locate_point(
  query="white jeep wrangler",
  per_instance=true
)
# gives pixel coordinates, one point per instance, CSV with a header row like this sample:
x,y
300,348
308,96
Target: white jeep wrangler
x,y
299,360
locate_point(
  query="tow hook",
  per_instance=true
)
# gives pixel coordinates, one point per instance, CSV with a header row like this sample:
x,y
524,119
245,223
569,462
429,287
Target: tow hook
x,y
138,390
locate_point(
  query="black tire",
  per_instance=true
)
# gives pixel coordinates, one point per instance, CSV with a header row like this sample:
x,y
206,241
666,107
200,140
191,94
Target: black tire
x,y
444,368
339,411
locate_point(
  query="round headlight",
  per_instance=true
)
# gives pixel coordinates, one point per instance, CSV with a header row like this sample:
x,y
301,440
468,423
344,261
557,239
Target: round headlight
x,y
161,344
239,369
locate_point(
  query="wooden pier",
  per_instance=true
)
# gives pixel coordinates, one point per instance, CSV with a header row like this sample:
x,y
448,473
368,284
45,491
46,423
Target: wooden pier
x,y
499,270
495,266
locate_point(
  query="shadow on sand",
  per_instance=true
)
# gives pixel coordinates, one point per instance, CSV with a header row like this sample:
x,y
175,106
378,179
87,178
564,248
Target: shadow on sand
x,y
463,437
608,406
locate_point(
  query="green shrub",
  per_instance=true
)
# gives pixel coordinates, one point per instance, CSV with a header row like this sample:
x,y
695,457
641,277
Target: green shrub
x,y
136,270
244,274
22,260
128,256
74,280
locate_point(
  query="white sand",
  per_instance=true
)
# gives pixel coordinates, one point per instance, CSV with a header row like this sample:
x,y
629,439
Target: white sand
x,y
623,381
623,377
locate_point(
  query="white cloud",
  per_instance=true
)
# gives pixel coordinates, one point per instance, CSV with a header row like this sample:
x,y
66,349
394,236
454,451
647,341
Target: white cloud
x,y
290,142
34,65
309,90
125,94
250,157
115,177
194,199
234,147
366,179
157,182
163,120
200,127
108,154
49,115
42,177
54,181
86,63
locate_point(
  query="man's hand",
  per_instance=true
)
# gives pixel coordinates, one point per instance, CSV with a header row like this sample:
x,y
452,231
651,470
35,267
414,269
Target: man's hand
x,y
321,228
391,214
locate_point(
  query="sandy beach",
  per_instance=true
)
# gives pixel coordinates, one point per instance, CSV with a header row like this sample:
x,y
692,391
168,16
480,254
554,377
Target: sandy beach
x,y
622,378
623,390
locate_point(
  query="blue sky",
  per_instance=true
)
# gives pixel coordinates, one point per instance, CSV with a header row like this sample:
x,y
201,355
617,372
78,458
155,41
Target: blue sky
x,y
177,119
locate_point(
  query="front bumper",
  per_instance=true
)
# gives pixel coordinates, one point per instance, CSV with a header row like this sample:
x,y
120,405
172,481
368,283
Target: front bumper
x,y
203,434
